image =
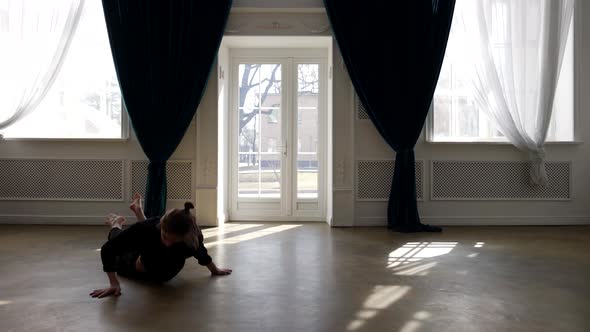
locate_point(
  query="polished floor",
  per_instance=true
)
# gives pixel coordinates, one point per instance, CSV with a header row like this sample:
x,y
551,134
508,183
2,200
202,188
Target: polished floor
x,y
308,277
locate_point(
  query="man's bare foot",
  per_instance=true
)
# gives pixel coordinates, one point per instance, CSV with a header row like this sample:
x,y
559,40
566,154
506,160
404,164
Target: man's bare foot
x,y
115,221
136,204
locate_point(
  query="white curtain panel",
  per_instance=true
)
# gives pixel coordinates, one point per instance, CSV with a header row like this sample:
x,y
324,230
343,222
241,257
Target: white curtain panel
x,y
516,48
34,39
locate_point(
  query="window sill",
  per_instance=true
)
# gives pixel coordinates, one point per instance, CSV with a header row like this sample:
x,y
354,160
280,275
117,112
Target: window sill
x,y
500,143
32,139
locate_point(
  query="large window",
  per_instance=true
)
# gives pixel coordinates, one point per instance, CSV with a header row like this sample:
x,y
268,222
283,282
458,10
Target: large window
x,y
85,100
456,116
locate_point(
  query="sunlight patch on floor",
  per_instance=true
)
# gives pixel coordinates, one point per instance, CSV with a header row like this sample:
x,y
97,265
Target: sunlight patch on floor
x,y
227,228
409,258
420,270
381,298
416,323
252,235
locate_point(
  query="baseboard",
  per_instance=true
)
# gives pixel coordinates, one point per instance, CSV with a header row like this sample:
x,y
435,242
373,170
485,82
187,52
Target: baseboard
x,y
487,221
362,221
246,218
7,219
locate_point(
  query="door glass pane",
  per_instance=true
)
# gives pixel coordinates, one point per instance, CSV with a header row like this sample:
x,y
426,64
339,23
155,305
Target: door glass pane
x,y
307,130
248,176
259,131
270,184
249,83
248,157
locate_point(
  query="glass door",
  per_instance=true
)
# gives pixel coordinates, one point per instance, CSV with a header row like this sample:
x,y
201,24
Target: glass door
x,y
259,131
277,169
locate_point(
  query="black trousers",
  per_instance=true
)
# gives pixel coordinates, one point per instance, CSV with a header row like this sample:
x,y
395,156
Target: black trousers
x,y
125,261
162,272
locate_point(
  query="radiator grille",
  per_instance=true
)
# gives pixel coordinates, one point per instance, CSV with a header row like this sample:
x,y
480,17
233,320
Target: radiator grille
x,y
374,179
360,110
485,180
49,179
179,179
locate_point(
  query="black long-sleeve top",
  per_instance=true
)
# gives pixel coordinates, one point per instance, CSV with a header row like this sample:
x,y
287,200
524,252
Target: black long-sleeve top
x,y
144,238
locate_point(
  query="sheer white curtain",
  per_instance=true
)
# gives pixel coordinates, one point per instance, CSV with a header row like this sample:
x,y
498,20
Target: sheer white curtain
x,y
517,48
34,38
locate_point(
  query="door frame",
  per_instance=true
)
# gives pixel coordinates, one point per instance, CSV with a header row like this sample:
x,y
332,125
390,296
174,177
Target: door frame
x,y
291,207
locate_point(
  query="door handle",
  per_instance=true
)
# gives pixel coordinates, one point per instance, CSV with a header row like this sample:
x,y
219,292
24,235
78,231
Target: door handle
x,y
284,148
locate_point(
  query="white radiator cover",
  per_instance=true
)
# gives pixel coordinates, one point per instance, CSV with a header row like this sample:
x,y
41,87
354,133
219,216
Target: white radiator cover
x,y
373,179
498,180
179,175
63,179
361,112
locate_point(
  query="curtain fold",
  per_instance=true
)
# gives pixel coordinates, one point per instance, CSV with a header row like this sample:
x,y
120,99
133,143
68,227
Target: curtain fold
x,y
516,50
156,189
163,53
35,38
393,53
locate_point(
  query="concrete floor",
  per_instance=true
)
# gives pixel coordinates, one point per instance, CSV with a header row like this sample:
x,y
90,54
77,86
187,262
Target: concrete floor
x,y
309,278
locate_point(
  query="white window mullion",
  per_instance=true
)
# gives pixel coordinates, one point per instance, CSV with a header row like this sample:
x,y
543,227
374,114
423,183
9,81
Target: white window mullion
x,y
289,134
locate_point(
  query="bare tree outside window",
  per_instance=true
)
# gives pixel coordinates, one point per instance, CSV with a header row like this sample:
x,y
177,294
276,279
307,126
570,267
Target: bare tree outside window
x,y
259,123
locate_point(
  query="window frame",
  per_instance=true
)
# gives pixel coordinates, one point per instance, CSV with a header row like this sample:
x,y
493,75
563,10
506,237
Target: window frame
x,y
124,133
577,77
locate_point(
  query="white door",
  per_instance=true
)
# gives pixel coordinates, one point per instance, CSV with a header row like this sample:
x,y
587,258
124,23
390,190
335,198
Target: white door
x,y
278,108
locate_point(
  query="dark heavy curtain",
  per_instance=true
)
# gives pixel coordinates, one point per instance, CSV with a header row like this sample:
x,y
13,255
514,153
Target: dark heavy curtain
x,y
393,51
163,52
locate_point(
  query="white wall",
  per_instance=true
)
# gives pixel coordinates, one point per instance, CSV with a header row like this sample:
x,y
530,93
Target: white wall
x,y
355,140
369,146
206,152
352,140
83,212
223,144
343,148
